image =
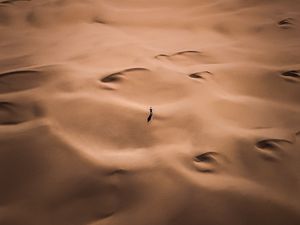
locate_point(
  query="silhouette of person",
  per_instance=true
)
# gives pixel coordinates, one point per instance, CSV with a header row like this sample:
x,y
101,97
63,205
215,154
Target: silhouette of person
x,y
150,115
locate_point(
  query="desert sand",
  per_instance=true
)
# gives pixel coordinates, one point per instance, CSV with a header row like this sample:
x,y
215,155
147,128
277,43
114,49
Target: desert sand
x,y
78,78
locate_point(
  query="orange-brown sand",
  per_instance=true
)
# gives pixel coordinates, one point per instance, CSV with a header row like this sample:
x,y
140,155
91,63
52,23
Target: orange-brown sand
x,y
221,146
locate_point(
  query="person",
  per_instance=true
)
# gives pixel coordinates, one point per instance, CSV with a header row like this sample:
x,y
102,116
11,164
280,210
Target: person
x,y
150,115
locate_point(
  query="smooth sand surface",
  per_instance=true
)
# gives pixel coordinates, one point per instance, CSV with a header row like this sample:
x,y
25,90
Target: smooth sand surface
x,y
78,145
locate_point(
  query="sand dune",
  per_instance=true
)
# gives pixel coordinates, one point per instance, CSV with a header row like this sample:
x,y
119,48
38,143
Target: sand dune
x,y
79,145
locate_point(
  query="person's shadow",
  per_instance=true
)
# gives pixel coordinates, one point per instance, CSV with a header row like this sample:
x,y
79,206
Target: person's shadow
x,y
150,115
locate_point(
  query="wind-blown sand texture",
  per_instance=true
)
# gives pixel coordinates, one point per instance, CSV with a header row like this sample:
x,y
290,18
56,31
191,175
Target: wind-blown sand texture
x,y
77,80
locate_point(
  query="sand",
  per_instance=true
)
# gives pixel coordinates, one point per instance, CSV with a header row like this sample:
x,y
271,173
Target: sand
x,y
78,145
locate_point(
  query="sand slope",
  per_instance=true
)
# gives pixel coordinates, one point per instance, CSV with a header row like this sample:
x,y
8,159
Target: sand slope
x,y
77,79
